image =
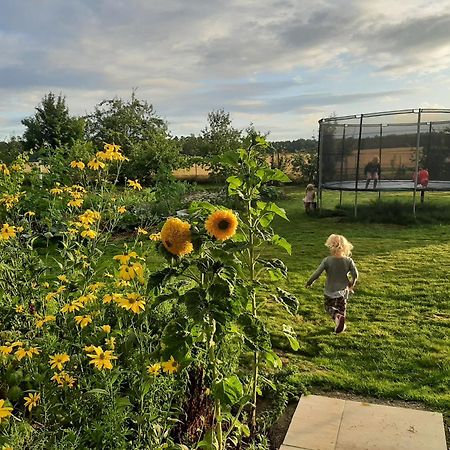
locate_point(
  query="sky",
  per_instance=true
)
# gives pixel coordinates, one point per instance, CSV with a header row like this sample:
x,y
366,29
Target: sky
x,y
279,64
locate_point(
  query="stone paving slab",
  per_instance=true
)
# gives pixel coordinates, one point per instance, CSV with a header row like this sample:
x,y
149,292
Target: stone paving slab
x,y
322,423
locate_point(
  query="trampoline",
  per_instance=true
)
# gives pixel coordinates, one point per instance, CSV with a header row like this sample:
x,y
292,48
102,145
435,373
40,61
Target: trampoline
x,y
400,143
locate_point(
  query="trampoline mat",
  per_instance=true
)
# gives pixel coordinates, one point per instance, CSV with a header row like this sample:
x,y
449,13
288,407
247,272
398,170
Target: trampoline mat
x,y
386,185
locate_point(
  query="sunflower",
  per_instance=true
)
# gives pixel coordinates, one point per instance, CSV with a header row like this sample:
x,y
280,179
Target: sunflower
x,y
57,361
176,236
222,224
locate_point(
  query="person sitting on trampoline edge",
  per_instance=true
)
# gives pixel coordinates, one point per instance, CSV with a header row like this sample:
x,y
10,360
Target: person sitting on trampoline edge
x,y
310,199
337,286
372,171
423,177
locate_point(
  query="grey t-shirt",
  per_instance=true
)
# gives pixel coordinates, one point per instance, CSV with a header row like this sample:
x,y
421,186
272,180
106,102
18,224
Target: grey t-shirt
x,y
337,270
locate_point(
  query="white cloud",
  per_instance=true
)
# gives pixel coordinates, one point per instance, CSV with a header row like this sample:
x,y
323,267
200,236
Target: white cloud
x,y
256,59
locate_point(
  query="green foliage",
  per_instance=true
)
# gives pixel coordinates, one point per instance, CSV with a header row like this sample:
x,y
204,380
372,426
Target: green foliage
x,y
304,166
11,149
141,134
51,127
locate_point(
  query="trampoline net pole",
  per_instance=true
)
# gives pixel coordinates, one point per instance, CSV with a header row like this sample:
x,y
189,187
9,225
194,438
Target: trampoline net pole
x,y
342,165
319,162
416,172
357,163
379,157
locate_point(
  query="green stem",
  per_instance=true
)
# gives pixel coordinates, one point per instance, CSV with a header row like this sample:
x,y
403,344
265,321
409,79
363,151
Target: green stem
x,y
254,310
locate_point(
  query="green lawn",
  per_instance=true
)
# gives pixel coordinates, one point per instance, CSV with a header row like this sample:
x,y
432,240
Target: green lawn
x,y
397,343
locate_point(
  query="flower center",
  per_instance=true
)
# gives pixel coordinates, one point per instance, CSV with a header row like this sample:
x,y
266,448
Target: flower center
x,y
223,225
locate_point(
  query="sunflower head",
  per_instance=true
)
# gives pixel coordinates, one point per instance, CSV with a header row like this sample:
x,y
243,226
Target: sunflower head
x,y
176,237
222,224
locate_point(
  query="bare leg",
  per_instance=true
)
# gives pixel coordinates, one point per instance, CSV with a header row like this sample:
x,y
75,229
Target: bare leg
x,y
375,182
367,182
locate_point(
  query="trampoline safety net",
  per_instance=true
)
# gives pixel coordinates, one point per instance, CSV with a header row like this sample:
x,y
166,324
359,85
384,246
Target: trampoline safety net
x,y
399,141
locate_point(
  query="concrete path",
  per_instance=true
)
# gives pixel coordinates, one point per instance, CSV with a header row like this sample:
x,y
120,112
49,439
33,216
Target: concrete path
x,y
322,423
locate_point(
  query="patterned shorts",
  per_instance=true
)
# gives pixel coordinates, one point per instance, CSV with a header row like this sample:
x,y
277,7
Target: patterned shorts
x,y
335,306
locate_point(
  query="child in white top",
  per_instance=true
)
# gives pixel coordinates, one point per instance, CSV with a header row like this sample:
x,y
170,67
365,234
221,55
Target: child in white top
x,y
337,286
310,199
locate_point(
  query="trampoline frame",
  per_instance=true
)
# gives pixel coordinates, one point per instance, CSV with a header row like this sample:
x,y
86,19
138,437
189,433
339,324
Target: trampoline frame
x,y
323,186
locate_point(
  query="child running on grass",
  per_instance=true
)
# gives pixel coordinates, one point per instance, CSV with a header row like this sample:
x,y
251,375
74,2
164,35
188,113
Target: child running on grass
x,y
337,286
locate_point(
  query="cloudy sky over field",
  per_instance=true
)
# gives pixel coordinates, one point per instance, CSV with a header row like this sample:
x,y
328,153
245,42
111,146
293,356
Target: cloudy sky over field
x,y
280,64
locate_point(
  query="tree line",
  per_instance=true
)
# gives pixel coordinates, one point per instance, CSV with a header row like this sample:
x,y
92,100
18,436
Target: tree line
x,y
143,136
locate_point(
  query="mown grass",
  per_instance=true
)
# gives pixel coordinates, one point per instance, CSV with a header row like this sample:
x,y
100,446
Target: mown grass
x,y
397,344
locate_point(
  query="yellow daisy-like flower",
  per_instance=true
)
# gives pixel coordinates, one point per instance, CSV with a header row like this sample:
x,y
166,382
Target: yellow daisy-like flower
x,y
20,309
6,349
40,322
7,232
26,352
135,184
76,203
77,165
176,236
63,278
155,237
142,231
56,191
132,302
108,298
64,379
154,369
96,286
106,329
32,400
111,342
5,411
30,214
71,307
91,234
58,360
89,217
102,359
10,200
95,164
170,366
124,259
222,224
83,321
121,210
4,169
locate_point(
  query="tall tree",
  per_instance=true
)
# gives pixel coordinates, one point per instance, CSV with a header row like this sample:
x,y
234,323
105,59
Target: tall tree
x,y
142,135
52,126
219,135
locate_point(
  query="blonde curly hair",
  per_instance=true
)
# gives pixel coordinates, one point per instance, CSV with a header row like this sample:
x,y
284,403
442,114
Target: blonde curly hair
x,y
339,244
